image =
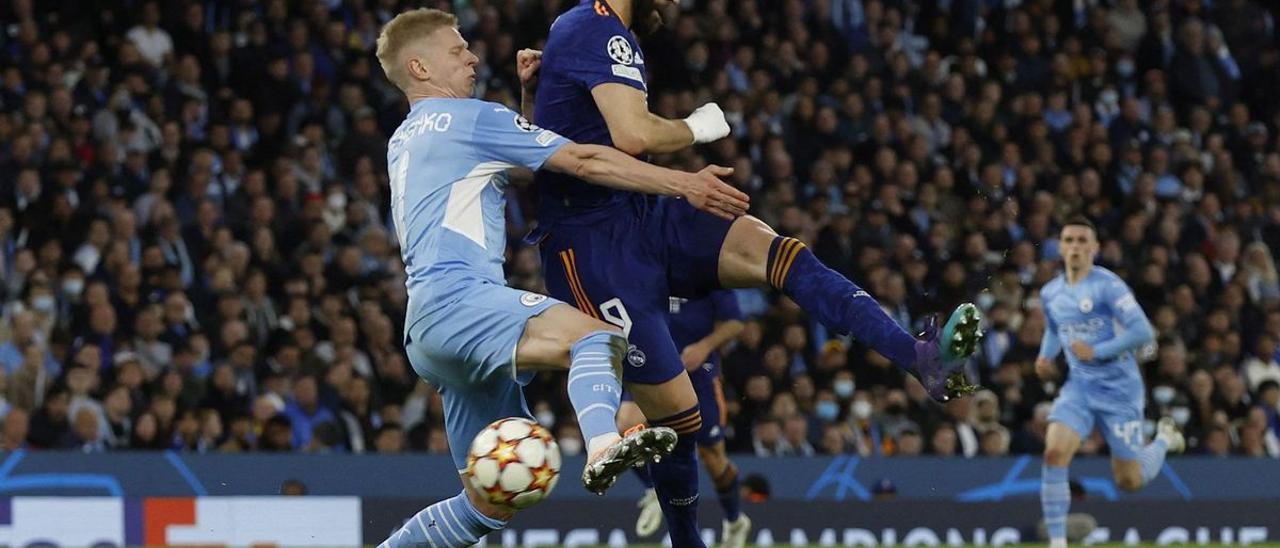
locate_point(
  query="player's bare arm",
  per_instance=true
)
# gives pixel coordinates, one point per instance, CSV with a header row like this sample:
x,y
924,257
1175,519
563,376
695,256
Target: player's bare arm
x,y
528,61
635,130
696,354
608,167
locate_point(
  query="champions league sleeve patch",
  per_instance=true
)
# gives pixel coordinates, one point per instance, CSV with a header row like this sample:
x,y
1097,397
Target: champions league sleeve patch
x,y
524,124
619,50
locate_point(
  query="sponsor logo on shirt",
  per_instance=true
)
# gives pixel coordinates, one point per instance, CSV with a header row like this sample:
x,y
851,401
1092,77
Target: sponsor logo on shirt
x,y
630,73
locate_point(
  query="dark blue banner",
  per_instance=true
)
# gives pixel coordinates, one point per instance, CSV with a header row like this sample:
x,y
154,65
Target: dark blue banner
x,y
432,476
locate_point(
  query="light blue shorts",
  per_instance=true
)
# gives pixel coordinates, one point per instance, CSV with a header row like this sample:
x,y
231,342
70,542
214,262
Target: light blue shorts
x,y
1119,413
465,346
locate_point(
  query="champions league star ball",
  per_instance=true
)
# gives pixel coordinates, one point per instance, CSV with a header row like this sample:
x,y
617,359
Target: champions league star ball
x,y
513,462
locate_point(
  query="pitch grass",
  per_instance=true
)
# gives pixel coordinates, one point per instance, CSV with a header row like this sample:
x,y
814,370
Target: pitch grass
x,y
1108,545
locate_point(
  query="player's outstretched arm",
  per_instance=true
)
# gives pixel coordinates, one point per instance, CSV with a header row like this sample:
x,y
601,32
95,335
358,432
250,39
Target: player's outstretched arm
x,y
635,130
608,167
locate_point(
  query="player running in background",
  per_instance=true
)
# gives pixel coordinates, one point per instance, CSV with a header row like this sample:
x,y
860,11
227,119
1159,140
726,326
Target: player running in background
x,y
476,340
619,255
1094,313
699,329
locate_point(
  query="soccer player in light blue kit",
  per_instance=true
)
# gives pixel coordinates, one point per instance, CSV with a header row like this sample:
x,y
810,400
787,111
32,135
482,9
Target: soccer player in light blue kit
x,y
466,333
1091,310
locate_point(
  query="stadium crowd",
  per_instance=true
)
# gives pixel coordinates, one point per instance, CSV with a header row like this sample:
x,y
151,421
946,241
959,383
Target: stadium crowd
x,y
197,253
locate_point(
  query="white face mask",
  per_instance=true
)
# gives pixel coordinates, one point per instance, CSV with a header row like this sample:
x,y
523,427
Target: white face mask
x,y
570,446
43,303
73,287
843,388
547,419
337,201
1163,394
1180,415
862,409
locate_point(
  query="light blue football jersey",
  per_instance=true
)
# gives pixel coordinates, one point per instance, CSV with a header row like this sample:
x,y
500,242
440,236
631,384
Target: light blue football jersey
x,y
447,163
1101,311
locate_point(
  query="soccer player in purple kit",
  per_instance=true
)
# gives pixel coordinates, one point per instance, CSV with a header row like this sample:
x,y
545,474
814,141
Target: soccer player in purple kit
x,y
699,328
619,256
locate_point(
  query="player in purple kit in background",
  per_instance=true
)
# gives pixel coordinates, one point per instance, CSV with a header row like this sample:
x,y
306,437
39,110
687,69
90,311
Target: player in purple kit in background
x,y
699,329
620,255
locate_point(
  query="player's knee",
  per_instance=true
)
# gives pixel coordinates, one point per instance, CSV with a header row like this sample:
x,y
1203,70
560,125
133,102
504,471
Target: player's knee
x,y
1056,456
1128,482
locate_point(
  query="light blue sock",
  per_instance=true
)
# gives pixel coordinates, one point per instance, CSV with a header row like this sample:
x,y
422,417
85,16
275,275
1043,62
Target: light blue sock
x,y
593,386
448,523
1152,459
1055,500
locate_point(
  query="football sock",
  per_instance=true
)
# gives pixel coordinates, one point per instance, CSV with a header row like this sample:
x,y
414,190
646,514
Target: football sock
x,y
593,386
835,301
646,478
450,522
1055,500
1152,459
676,479
727,491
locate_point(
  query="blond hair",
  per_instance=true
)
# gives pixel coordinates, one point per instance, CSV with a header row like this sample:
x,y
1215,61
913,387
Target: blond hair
x,y
403,29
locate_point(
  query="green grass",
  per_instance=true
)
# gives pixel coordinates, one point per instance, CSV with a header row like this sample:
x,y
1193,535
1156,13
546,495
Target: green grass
x,y
1117,545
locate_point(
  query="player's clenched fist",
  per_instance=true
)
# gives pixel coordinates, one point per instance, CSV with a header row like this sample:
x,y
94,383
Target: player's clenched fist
x,y
528,61
707,192
707,124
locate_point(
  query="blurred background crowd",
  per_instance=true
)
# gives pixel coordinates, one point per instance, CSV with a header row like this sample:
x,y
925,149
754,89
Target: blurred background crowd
x,y
196,252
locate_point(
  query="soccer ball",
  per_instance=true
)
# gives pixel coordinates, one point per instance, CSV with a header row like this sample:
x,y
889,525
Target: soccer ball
x,y
513,462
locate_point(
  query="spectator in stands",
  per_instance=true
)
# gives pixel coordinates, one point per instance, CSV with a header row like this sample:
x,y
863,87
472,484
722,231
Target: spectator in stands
x,y
208,195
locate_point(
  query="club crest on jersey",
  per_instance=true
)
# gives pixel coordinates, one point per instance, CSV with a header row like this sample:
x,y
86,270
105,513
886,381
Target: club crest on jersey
x,y
635,356
620,50
532,299
1086,305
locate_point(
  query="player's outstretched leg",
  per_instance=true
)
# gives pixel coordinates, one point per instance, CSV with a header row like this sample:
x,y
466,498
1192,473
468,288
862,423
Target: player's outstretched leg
x,y
454,522
753,254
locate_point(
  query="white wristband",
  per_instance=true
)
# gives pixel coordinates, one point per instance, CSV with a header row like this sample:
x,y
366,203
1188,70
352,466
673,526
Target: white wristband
x,y
707,124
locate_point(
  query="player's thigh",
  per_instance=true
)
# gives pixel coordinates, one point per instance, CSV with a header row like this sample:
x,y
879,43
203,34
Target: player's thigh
x,y
469,409
744,255
629,414
692,242
473,336
1121,423
1071,420
549,336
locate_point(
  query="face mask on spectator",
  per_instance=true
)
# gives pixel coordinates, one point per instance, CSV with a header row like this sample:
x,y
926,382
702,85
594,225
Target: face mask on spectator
x,y
843,388
546,418
570,446
1180,415
73,287
1162,394
337,201
1124,68
862,409
827,410
985,300
43,303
